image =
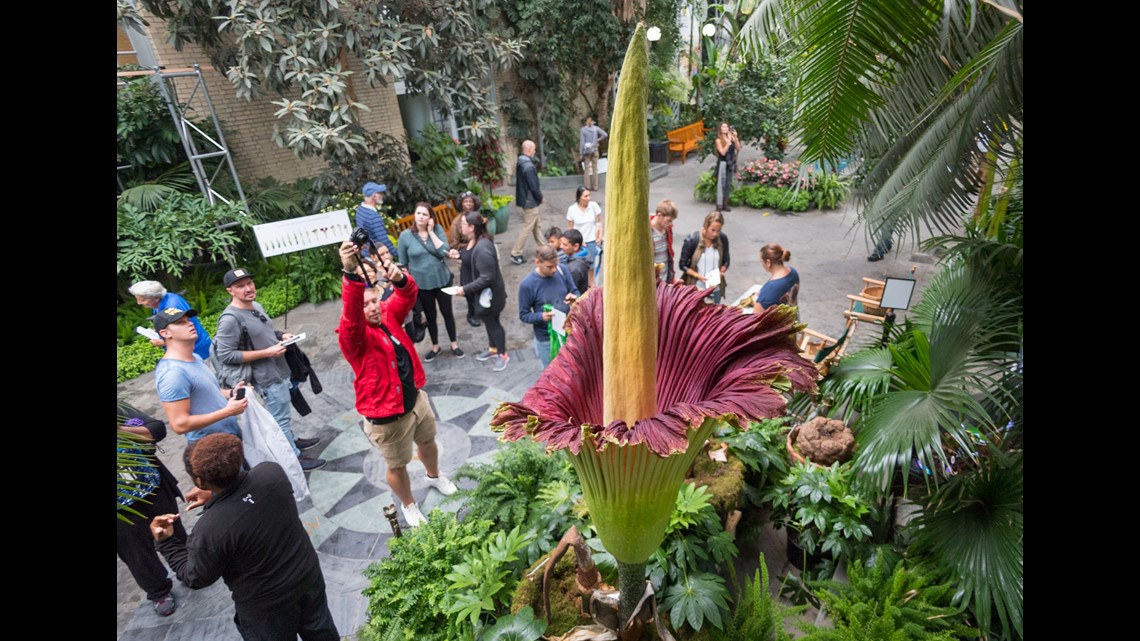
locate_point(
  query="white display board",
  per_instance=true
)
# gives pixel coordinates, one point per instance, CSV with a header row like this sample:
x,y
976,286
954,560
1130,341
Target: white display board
x,y
897,293
297,234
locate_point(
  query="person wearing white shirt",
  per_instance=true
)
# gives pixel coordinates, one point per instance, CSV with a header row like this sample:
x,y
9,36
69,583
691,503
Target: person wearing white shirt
x,y
586,216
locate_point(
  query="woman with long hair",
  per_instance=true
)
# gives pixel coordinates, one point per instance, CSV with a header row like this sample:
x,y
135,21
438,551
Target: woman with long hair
x,y
487,286
727,147
422,248
468,202
705,251
585,215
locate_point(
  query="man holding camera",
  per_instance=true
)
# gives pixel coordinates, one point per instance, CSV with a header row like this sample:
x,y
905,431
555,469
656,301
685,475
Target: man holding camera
x,y
246,335
388,375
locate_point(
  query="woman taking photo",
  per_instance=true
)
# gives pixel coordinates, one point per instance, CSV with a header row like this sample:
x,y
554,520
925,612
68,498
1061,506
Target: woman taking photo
x,y
727,146
783,286
586,216
486,286
468,202
705,251
421,247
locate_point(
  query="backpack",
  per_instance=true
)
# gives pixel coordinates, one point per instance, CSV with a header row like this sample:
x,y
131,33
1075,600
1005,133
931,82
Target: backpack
x,y
229,375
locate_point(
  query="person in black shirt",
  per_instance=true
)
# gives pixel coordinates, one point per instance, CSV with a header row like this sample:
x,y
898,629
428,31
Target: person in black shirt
x,y
250,535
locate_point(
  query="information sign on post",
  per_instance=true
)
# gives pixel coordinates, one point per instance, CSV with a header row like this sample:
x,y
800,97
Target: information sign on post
x,y
297,234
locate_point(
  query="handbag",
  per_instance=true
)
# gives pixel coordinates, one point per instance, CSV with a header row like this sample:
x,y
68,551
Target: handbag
x,y
262,440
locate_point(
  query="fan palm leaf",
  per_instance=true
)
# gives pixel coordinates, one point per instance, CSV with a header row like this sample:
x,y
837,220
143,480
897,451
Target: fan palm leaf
x,y
149,195
973,524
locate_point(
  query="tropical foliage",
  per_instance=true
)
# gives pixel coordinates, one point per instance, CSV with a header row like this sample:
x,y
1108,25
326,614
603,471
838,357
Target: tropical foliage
x,y
300,49
912,88
929,97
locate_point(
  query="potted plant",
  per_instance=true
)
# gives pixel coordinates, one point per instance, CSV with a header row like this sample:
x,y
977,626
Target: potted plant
x,y
824,511
500,207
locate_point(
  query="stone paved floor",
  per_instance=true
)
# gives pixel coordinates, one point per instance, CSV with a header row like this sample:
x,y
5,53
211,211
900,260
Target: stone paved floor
x,y
343,515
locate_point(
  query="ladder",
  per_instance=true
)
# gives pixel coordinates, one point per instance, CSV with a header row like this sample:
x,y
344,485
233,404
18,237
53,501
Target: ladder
x,y
213,145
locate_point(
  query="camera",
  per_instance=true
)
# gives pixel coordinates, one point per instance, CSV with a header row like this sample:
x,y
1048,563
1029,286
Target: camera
x,y
359,237
239,393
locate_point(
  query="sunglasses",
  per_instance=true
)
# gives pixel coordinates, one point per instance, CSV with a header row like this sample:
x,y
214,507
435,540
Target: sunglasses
x,y
259,316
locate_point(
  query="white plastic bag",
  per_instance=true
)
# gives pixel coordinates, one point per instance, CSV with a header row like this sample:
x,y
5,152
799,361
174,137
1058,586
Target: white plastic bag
x,y
263,440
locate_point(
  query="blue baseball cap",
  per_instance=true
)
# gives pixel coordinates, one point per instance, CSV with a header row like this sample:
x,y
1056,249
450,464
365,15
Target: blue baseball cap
x,y
371,188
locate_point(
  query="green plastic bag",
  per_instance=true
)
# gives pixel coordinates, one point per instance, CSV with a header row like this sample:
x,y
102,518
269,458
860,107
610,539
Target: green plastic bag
x,y
556,338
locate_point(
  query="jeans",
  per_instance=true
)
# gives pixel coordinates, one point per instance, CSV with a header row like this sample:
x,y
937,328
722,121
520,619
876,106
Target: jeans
x,y
280,405
542,351
529,228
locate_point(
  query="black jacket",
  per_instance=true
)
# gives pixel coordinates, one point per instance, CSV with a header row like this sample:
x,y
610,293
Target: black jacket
x,y
251,536
485,264
528,193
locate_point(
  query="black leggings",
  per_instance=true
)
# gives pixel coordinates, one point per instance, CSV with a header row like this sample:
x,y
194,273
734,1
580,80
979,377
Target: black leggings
x,y
496,335
429,298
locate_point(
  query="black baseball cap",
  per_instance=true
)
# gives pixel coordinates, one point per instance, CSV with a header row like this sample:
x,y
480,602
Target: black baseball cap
x,y
234,275
171,315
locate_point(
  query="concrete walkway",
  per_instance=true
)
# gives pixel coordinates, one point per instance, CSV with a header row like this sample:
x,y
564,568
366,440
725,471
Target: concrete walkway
x,y
343,515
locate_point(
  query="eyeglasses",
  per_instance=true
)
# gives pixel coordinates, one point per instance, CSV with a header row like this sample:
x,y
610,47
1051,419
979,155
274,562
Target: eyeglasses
x,y
259,316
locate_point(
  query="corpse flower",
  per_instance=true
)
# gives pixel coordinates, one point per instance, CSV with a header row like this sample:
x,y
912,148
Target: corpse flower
x,y
649,369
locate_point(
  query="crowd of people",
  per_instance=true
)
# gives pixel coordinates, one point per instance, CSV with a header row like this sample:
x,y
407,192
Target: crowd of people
x,y
250,534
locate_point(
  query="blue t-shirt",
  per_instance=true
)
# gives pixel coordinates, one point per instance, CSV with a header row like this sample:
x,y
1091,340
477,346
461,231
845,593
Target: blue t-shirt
x,y
178,380
202,345
780,290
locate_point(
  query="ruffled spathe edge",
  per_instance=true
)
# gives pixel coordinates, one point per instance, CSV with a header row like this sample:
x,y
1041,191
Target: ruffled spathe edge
x,y
713,362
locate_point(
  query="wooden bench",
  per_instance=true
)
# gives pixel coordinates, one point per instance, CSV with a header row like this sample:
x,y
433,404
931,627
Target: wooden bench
x,y
444,214
685,139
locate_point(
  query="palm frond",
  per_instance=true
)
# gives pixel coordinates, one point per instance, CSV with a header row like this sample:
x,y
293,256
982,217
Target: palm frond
x,y
851,47
765,30
973,525
149,195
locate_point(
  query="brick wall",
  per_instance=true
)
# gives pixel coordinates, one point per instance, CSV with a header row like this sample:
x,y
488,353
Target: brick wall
x,y
248,125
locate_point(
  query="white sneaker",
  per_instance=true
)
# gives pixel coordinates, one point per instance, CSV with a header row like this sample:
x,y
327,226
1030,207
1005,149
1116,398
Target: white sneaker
x,y
443,484
412,515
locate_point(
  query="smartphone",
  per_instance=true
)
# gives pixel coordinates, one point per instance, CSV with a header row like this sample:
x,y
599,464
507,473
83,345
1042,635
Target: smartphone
x,y
239,393
296,338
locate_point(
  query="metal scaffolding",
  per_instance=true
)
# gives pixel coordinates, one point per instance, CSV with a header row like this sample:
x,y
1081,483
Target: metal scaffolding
x,y
204,145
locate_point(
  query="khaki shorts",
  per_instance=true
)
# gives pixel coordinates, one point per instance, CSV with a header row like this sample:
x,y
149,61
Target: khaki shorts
x,y
395,439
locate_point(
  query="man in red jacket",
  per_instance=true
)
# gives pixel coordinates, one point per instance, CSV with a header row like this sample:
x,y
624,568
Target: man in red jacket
x,y
389,376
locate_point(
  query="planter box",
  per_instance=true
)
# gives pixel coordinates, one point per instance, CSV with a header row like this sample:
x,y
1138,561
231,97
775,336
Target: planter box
x,y
659,152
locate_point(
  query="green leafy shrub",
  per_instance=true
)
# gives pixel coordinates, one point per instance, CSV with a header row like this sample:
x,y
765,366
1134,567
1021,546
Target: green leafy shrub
x,y
137,358
406,590
383,159
438,164
685,565
883,600
763,451
753,97
184,228
524,487
792,200
147,137
758,616
705,189
484,584
520,626
830,190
